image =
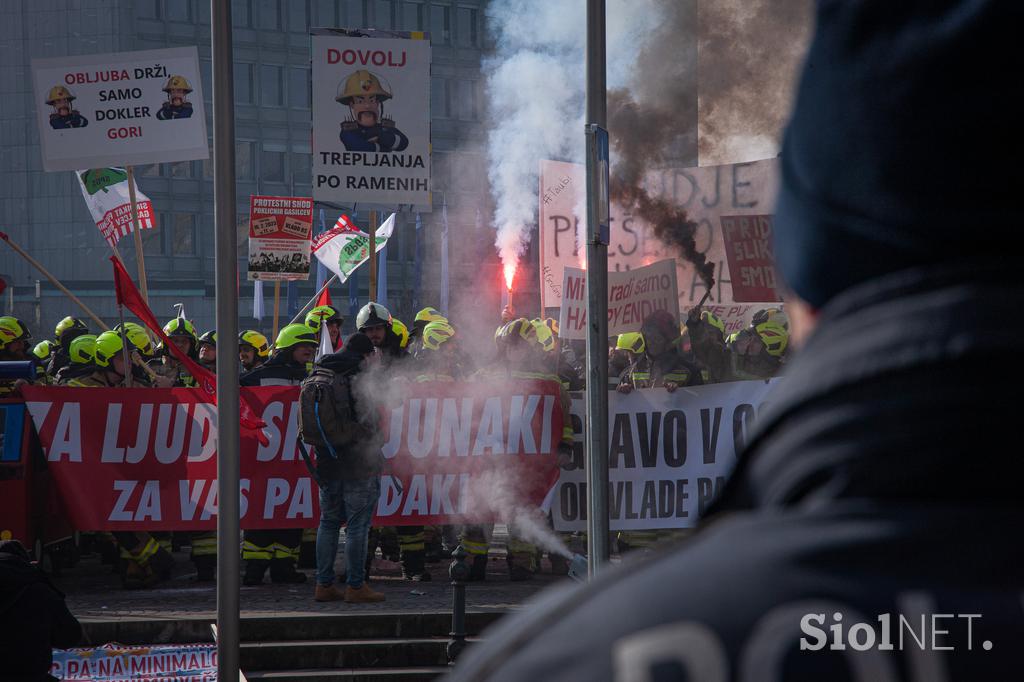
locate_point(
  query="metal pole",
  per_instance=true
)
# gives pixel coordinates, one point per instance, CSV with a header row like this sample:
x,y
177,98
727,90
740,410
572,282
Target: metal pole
x,y
140,257
597,305
458,571
310,302
228,559
372,292
277,307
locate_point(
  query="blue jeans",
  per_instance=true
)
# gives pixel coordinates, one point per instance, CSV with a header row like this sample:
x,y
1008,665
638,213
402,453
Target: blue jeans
x,y
354,500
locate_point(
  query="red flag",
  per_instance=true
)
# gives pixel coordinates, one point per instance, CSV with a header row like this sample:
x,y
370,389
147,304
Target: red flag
x,y
129,297
325,297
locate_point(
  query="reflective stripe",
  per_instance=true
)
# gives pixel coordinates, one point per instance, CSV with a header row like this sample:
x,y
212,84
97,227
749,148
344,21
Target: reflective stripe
x,y
144,552
255,552
475,548
282,552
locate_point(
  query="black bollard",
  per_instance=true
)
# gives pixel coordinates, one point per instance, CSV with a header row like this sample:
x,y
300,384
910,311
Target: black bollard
x,y
458,571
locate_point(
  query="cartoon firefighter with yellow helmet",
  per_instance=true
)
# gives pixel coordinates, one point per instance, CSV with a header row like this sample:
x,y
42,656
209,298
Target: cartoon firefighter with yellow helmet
x,y
177,104
367,129
63,115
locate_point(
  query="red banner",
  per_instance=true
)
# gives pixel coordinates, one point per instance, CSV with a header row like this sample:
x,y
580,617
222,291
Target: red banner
x,y
145,459
748,248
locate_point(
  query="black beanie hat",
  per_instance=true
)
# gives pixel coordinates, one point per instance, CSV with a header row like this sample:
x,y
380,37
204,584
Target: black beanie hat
x,y
897,151
359,343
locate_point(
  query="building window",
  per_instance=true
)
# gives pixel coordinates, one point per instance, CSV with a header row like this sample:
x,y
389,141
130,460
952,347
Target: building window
x,y
467,19
243,83
147,9
355,17
298,88
178,10
245,160
302,169
468,105
183,234
150,170
440,97
327,14
268,14
241,13
440,24
179,169
412,16
206,69
439,168
272,166
383,14
271,86
298,16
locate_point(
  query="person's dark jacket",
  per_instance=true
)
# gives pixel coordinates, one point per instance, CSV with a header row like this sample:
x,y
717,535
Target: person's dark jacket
x,y
884,477
279,370
33,620
363,457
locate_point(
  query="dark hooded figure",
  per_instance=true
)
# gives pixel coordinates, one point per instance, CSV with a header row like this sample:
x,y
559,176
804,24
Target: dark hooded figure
x,y
870,531
33,617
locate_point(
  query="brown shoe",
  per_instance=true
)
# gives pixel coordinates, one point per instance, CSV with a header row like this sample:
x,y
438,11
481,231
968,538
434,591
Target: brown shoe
x,y
363,595
328,593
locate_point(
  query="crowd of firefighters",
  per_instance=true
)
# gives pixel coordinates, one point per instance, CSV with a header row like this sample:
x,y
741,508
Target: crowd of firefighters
x,y
662,354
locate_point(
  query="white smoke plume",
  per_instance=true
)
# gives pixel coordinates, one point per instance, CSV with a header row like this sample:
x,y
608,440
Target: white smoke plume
x,y
536,97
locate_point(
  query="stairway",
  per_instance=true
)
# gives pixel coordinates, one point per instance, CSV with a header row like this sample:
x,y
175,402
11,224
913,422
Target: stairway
x,y
371,647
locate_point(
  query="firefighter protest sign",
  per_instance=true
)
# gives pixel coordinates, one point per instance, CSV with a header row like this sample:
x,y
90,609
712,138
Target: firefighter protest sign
x,y
748,248
632,296
280,234
145,459
371,117
669,454
118,109
344,248
706,193
107,196
118,662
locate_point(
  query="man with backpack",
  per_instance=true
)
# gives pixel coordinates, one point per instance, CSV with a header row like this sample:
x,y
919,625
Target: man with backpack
x,y
349,459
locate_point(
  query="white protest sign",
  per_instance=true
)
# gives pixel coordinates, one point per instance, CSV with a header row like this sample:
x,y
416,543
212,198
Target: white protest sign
x,y
669,454
371,117
108,197
120,109
343,249
706,194
632,296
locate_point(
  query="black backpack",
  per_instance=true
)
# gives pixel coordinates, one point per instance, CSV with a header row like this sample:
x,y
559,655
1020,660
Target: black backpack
x,y
327,412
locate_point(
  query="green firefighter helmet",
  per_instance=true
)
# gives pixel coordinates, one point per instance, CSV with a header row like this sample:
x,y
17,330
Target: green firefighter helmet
x,y
294,335
209,338
42,350
631,341
12,329
108,345
401,331
178,83
322,314
58,92
372,315
436,334
774,335
253,339
83,350
361,83
179,326
72,327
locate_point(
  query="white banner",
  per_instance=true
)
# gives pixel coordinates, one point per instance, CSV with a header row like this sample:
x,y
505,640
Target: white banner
x,y
108,197
371,117
632,296
669,454
706,194
120,109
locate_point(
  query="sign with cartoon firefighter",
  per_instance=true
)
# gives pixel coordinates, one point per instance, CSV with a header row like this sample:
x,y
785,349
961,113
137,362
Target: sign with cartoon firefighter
x,y
129,108
371,117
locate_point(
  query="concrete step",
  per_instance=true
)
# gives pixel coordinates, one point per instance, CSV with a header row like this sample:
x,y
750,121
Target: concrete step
x,y
331,675
344,653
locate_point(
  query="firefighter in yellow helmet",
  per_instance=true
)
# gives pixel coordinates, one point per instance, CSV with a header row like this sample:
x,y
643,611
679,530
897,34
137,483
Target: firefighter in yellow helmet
x,y
207,344
367,129
81,360
253,349
629,346
41,354
278,549
145,557
183,335
14,346
177,104
325,317
63,116
66,331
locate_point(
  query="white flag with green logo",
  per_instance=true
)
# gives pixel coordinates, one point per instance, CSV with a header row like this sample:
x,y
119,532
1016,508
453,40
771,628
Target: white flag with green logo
x,y
345,248
107,195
